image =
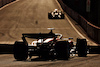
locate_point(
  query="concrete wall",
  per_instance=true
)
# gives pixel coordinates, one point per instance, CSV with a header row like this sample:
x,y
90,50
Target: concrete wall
x,y
77,5
0,3
82,7
92,30
4,2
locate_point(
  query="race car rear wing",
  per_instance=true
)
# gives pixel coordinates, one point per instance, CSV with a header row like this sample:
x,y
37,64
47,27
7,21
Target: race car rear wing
x,y
39,35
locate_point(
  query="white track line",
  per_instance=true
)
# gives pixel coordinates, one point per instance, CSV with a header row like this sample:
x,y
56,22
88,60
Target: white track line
x,y
8,4
71,22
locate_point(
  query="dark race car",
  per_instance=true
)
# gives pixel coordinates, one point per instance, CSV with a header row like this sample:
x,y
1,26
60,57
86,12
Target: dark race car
x,y
56,14
48,46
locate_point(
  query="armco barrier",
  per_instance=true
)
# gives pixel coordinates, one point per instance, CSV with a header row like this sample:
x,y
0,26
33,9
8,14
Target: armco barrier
x,y
92,30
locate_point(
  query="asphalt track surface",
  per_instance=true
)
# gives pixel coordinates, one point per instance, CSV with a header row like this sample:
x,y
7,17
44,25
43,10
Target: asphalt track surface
x,y
31,16
21,16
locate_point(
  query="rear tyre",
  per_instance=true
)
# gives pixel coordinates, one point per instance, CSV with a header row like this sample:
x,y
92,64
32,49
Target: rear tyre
x,y
62,49
81,47
49,16
20,51
62,16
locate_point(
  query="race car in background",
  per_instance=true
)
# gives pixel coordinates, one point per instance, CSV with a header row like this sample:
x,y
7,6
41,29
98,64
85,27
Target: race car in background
x,y
56,14
48,46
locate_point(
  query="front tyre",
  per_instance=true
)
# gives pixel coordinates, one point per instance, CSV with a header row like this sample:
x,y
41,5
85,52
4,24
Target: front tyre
x,y
20,51
62,16
49,16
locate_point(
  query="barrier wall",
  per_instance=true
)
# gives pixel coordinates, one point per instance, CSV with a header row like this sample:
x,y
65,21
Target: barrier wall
x,y
0,3
92,30
4,2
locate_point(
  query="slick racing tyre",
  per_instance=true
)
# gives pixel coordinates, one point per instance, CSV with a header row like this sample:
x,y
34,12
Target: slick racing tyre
x,y
49,16
81,47
62,16
20,51
62,49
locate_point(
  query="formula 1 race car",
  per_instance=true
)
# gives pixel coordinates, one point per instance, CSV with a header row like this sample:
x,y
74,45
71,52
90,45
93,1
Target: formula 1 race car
x,y
56,14
48,46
